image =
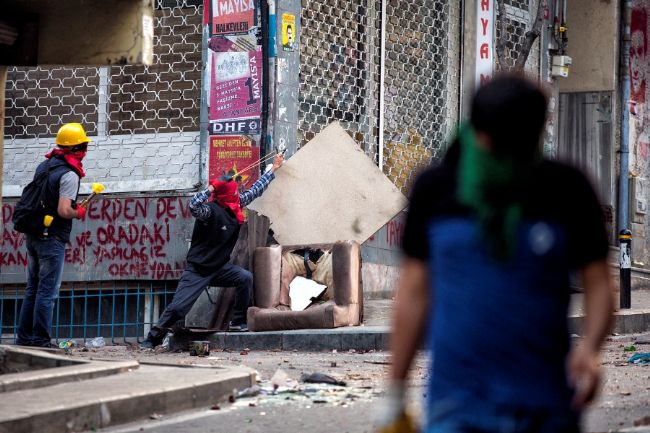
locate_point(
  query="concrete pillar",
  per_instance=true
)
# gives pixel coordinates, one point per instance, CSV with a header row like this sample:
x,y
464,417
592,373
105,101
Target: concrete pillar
x,y
287,78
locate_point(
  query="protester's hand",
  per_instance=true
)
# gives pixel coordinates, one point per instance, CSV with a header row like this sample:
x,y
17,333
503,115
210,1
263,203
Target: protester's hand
x,y
277,162
390,408
212,185
584,374
81,212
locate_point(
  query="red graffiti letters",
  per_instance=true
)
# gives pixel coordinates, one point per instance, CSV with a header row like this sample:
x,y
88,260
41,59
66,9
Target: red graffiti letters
x,y
123,238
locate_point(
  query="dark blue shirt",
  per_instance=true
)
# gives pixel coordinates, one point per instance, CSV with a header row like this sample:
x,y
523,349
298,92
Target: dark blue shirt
x,y
498,329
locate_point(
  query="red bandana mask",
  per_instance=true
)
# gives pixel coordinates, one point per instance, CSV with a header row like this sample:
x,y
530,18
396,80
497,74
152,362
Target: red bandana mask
x,y
72,158
226,195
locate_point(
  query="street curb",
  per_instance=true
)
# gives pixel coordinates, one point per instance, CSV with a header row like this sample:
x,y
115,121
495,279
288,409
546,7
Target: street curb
x,y
76,405
359,338
308,340
625,322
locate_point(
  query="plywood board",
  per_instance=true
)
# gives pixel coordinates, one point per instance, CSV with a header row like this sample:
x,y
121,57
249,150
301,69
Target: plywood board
x,y
329,190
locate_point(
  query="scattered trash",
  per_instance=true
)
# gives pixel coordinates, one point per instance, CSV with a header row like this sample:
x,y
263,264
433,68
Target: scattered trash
x,y
642,421
243,352
166,340
640,358
625,393
321,378
249,420
249,392
155,416
96,343
631,348
282,382
67,344
378,362
200,348
216,407
262,413
333,364
252,404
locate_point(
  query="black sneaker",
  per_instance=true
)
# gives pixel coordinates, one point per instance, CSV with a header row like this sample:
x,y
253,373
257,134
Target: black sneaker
x,y
149,343
241,327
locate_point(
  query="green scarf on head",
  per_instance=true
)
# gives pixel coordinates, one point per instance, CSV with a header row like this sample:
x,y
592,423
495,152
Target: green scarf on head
x,y
488,184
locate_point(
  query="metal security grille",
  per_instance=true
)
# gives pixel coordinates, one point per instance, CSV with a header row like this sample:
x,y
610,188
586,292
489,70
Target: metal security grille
x,y
421,85
341,77
143,120
163,97
118,311
517,23
335,69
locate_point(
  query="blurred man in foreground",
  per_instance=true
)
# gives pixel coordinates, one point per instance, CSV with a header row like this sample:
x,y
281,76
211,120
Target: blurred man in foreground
x,y
491,239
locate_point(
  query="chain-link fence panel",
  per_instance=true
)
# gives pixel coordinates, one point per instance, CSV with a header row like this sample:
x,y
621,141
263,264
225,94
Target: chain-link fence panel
x,y
421,85
519,19
143,120
341,77
336,78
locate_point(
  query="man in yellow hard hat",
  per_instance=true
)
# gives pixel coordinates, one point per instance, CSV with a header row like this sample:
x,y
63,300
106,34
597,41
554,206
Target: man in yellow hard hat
x,y
56,185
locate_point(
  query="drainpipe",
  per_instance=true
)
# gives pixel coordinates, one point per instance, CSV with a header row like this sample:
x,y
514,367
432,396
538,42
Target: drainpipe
x,y
623,206
271,55
382,75
205,87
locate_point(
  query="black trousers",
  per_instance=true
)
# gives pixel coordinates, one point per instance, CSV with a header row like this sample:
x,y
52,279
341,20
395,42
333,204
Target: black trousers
x,y
190,286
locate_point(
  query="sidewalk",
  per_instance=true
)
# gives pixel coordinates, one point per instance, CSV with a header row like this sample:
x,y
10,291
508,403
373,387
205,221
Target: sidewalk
x,y
374,333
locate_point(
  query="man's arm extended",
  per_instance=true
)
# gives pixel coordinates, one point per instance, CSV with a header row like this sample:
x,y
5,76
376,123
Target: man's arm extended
x,y
199,209
584,360
256,190
409,317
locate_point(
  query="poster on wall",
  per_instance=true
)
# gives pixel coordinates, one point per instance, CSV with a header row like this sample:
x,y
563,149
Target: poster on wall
x,y
231,155
639,90
236,84
288,31
232,17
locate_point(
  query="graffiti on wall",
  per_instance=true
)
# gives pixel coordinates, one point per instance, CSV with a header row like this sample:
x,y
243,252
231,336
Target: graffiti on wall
x,y
639,76
134,238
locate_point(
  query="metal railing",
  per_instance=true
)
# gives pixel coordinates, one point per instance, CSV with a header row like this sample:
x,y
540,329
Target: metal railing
x,y
118,311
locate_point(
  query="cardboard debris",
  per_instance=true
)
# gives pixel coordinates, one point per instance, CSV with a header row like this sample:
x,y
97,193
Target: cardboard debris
x,y
329,190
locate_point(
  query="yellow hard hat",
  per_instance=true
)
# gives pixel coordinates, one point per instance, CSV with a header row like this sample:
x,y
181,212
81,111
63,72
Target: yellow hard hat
x,y
71,134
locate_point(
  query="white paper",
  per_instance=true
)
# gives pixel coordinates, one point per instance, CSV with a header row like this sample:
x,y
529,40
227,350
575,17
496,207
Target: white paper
x,y
301,292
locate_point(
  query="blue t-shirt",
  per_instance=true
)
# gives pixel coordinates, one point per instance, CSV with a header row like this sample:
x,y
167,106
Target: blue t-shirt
x,y
498,328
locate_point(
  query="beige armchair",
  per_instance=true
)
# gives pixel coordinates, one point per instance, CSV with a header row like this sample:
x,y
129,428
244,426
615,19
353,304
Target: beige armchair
x,y
271,298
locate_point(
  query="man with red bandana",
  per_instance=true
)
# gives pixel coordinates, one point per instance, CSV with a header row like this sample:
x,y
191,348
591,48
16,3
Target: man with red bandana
x,y
46,251
218,213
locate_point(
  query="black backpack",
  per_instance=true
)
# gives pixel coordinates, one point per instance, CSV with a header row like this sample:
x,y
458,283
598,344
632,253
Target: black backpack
x,y
31,209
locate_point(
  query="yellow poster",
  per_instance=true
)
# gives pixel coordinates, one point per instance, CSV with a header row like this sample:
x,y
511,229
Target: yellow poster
x,y
288,32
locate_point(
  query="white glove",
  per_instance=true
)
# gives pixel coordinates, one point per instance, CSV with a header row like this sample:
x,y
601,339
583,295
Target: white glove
x,y
391,407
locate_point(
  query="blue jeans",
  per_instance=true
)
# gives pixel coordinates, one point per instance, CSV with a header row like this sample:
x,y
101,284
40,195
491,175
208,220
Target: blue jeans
x,y
449,416
45,267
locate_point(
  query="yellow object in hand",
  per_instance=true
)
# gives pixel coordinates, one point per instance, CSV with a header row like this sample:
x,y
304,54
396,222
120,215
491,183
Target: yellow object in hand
x,y
98,187
405,424
47,220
